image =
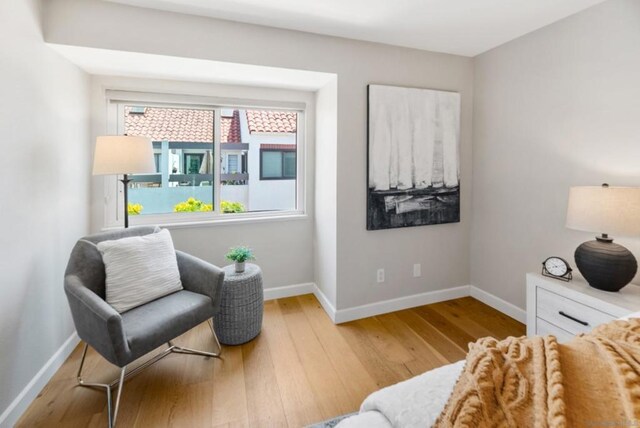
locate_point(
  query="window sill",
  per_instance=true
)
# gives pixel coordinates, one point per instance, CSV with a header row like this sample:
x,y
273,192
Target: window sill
x,y
212,222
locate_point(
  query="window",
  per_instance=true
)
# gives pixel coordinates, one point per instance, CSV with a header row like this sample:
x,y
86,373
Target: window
x,y
192,162
211,162
156,160
232,164
277,164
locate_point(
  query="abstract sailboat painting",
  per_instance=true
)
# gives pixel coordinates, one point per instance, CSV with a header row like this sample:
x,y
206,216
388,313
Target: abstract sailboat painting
x,y
413,157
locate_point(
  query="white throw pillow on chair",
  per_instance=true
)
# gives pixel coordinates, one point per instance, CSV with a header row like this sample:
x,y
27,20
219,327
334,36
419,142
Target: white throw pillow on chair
x,y
139,269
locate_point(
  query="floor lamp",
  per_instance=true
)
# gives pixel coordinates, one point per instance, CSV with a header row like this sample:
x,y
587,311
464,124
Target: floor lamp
x,y
122,154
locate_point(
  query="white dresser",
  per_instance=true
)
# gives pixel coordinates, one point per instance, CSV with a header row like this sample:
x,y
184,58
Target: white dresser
x,y
565,309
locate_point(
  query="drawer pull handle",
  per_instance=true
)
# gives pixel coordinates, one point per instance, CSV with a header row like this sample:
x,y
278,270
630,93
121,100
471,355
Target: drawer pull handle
x,y
573,319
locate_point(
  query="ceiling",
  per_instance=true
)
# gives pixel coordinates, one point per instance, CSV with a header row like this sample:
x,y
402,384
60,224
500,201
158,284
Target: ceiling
x,y
133,64
462,27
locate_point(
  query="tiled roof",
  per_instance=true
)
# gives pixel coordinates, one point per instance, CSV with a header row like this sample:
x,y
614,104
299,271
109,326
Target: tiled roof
x,y
230,128
171,124
271,121
196,126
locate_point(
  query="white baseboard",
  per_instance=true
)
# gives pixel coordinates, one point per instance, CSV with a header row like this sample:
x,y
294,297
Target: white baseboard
x,y
12,413
357,312
326,304
289,291
392,305
499,304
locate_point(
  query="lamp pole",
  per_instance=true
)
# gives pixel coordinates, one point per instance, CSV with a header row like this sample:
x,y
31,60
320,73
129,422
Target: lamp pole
x,y
125,182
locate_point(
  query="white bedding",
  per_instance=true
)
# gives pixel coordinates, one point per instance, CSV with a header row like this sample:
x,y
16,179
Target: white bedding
x,y
416,402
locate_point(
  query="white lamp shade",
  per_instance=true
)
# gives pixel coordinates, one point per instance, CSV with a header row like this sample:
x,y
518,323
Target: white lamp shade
x,y
612,210
121,154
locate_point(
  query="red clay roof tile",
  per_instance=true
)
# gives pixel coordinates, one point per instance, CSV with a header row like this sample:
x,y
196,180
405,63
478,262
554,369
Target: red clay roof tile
x,y
230,128
196,126
171,124
272,121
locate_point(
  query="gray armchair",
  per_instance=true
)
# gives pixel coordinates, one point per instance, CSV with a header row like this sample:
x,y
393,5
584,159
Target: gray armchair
x,y
123,338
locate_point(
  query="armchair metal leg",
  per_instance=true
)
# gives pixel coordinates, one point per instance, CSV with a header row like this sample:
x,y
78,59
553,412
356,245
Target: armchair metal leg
x,y
120,383
183,350
215,337
124,375
111,414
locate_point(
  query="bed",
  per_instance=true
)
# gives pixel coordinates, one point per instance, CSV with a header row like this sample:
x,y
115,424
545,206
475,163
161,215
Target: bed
x,y
416,402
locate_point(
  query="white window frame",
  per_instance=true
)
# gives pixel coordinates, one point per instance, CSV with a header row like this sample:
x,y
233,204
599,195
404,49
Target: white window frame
x,y
113,191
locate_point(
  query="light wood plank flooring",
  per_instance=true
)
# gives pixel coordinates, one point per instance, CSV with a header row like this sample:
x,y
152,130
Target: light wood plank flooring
x,y
301,369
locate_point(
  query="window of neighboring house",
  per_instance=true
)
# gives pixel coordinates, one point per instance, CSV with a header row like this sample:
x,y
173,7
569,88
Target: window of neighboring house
x,y
255,149
156,159
277,164
232,164
192,162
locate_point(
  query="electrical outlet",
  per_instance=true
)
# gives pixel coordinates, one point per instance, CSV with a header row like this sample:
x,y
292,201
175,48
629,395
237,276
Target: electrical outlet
x,y
417,270
380,275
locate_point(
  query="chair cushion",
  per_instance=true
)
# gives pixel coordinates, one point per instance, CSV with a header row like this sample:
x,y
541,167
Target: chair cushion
x,y
149,326
139,269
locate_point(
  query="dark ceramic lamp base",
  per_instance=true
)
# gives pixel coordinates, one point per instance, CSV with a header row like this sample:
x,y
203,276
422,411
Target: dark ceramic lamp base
x,y
605,265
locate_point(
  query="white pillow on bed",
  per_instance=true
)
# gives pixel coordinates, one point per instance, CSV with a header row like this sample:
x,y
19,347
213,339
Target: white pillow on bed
x,y
139,269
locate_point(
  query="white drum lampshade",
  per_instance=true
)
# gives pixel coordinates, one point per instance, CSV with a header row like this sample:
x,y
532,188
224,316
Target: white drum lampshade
x,y
122,154
604,209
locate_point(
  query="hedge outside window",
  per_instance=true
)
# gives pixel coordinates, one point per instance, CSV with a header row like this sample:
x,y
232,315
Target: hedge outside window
x,y
277,164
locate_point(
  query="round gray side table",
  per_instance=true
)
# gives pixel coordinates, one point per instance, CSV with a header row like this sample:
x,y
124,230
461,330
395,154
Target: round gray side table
x,y
241,305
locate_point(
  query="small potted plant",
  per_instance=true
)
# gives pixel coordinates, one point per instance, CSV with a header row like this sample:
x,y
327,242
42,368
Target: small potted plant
x,y
240,255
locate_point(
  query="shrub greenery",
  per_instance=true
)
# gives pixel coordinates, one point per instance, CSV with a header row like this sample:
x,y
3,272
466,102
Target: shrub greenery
x,y
196,205
231,207
134,209
192,205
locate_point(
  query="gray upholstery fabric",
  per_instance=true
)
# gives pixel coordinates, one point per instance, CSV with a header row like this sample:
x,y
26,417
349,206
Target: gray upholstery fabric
x,y
200,277
149,326
96,322
122,338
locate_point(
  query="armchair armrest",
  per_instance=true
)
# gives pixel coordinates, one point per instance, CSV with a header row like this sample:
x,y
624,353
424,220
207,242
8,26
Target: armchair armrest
x,y
97,323
200,277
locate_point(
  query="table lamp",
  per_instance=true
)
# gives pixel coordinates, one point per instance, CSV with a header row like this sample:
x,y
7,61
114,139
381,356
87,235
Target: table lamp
x,y
604,209
122,154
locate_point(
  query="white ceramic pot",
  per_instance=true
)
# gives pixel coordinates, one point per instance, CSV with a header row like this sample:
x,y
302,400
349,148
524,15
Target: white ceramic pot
x,y
240,267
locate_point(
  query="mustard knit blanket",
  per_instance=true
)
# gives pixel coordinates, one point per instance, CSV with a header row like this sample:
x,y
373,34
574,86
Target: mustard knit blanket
x,y
592,381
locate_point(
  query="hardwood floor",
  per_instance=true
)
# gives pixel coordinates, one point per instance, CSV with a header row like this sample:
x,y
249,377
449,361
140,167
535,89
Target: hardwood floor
x,y
301,369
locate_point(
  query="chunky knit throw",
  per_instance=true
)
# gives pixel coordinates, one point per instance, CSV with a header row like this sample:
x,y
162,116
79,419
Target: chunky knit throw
x,y
592,381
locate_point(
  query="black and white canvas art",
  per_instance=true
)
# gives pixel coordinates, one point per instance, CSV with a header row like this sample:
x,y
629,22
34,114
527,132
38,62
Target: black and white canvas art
x,y
413,157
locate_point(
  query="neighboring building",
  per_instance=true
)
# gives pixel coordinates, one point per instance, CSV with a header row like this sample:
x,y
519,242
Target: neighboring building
x,y
271,136
257,165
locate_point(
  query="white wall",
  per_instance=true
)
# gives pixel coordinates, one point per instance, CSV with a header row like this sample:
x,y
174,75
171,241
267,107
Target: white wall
x,y
442,249
325,236
45,195
556,108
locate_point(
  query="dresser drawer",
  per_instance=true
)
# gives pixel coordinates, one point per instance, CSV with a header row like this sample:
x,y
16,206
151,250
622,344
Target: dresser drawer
x,y
568,314
544,328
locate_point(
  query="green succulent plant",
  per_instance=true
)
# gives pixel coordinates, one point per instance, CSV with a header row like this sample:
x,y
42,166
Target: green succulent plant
x,y
240,254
